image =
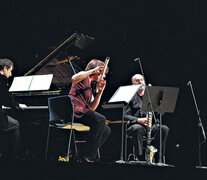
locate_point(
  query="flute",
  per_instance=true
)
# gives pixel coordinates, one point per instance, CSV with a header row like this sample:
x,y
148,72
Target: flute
x,y
103,73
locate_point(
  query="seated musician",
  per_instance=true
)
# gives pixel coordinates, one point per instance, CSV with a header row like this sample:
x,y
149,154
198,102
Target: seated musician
x,y
9,127
138,122
85,105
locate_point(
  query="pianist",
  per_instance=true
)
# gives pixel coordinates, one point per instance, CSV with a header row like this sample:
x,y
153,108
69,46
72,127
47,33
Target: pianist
x,y
9,127
85,104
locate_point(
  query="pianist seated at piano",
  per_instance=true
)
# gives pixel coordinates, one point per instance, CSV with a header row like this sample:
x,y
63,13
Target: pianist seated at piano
x,y
85,104
9,127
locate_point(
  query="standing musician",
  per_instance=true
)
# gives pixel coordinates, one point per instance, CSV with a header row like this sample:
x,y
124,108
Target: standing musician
x,y
138,121
85,105
9,127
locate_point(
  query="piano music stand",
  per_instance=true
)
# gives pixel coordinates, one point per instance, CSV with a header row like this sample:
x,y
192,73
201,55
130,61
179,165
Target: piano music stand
x,y
120,99
163,100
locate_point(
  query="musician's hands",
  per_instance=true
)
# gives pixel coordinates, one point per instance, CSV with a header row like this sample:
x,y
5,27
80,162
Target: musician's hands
x,y
22,106
98,70
143,121
101,85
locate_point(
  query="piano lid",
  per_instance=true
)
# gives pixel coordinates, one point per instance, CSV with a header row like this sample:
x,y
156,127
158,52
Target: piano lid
x,y
57,63
60,69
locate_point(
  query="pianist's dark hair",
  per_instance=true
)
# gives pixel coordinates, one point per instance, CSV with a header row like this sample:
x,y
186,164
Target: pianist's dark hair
x,y
5,62
95,63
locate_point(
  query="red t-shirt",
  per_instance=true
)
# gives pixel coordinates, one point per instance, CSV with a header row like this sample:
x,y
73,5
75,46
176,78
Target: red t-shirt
x,y
81,94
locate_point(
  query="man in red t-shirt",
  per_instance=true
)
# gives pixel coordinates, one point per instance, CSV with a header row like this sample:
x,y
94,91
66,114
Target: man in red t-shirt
x,y
85,105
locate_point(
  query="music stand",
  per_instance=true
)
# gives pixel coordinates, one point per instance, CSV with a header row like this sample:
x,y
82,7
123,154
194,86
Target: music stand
x,y
120,99
163,100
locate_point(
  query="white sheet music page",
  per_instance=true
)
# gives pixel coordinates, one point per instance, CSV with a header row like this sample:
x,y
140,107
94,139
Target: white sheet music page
x,y
21,83
31,83
41,82
124,93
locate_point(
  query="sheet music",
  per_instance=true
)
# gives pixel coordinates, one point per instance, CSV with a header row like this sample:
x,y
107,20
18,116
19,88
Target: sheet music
x,y
31,83
124,93
21,83
41,82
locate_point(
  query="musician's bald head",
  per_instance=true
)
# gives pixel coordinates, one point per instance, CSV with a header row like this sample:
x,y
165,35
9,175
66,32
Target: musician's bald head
x,y
136,77
139,79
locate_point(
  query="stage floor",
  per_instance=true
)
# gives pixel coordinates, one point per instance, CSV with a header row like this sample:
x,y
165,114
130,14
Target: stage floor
x,y
62,170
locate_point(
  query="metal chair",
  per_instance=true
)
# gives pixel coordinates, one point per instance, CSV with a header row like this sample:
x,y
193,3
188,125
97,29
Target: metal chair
x,y
61,115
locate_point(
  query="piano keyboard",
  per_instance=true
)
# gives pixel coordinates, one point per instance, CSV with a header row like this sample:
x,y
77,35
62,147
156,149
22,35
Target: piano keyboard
x,y
28,107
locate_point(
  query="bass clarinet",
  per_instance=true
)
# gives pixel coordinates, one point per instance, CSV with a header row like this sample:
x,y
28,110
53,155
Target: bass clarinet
x,y
150,150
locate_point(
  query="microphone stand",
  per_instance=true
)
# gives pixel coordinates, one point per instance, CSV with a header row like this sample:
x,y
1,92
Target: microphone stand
x,y
160,149
200,126
149,99
148,95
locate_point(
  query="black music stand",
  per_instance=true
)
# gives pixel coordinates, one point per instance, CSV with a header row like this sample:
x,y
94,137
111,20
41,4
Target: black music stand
x,y
163,100
120,99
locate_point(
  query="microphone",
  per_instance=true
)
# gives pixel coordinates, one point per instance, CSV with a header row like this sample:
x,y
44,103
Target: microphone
x,y
136,59
149,85
188,83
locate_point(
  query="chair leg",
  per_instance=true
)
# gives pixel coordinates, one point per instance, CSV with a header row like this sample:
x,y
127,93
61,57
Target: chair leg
x,y
98,153
75,145
125,148
163,159
47,143
69,144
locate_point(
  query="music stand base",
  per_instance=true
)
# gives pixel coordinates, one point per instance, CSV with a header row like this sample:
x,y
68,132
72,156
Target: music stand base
x,y
201,167
120,161
164,165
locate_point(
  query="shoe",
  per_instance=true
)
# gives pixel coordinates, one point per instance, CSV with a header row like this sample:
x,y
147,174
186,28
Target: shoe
x,y
86,160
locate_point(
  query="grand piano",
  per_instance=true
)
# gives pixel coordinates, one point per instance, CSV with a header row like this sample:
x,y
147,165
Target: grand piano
x,y
58,63
34,119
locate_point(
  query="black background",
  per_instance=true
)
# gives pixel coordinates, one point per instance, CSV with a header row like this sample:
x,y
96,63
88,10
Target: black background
x,y
168,36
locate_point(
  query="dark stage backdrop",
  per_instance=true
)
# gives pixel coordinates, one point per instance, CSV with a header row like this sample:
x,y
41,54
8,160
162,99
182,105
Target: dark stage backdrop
x,y
168,36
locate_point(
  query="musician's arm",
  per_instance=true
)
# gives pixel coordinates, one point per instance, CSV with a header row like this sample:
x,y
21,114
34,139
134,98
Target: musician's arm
x,y
84,74
133,119
95,101
128,116
6,98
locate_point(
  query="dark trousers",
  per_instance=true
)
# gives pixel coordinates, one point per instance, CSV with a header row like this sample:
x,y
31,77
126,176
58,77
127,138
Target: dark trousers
x,y
98,133
9,139
138,131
